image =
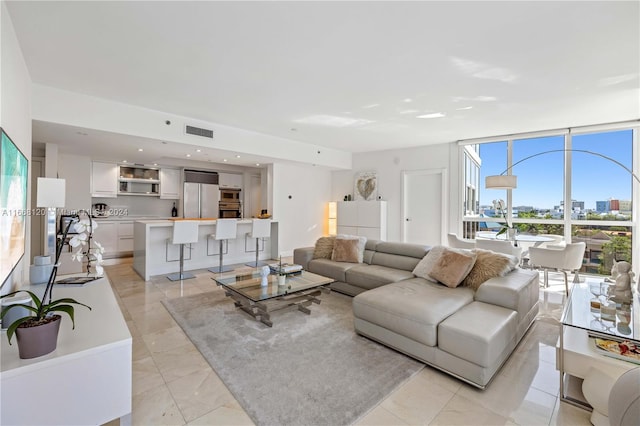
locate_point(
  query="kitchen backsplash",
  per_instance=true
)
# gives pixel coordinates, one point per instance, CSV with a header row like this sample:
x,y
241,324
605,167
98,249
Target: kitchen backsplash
x,y
138,206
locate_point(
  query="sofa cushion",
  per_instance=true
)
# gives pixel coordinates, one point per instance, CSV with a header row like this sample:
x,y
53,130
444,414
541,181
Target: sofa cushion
x,y
345,250
324,248
518,290
452,267
489,264
479,333
399,255
329,268
412,308
372,276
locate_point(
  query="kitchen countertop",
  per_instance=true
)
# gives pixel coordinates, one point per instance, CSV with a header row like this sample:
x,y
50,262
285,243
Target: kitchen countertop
x,y
130,218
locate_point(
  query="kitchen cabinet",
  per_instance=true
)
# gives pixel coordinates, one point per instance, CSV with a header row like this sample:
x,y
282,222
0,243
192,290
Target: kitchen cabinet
x,y
363,218
230,180
170,183
125,237
106,233
104,179
141,181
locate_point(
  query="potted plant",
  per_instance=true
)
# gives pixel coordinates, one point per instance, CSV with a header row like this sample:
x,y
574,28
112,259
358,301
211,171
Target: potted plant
x,y
37,334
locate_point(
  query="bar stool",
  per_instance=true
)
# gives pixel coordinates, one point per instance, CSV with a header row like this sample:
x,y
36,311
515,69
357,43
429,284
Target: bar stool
x,y
226,229
184,232
260,229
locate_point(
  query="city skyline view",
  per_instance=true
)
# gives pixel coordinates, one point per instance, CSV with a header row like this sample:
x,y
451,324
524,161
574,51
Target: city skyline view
x,y
541,178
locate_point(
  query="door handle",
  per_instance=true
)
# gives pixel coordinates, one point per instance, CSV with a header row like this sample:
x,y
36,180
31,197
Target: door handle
x,y
408,219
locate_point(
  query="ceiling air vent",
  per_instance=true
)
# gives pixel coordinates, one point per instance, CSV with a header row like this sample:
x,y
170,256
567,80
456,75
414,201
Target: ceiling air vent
x,y
197,131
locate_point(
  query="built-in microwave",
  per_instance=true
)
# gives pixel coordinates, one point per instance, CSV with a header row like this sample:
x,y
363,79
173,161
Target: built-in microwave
x,y
232,195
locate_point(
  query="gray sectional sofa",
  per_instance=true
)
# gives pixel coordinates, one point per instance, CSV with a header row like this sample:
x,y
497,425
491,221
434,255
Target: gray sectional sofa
x,y
468,334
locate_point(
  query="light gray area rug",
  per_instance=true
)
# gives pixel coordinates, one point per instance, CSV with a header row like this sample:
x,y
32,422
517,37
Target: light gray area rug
x,y
306,370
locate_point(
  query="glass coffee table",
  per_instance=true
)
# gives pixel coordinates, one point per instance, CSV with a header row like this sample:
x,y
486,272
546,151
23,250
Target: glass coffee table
x,y
583,321
259,301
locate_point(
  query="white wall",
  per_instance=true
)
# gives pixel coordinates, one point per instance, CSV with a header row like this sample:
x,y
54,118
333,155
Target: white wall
x,y
389,166
302,217
15,116
76,170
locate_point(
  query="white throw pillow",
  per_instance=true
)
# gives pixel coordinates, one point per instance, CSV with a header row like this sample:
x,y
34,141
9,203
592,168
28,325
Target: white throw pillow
x,y
425,266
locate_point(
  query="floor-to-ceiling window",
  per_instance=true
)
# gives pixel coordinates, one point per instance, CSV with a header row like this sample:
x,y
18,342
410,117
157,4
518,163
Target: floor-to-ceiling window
x,y
575,183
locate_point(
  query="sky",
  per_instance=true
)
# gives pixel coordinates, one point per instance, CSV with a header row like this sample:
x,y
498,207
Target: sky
x,y
540,179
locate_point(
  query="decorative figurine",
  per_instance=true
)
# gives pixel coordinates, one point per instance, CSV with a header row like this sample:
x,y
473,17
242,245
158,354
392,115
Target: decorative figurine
x,y
623,275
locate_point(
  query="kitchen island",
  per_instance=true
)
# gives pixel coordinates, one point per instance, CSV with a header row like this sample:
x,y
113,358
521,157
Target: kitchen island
x,y
154,254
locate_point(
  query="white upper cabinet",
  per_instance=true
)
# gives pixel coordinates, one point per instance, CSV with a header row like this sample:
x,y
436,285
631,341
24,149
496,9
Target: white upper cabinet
x,y
170,183
104,179
230,180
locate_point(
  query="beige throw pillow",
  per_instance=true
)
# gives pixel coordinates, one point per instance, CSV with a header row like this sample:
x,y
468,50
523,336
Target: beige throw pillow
x,y
362,241
489,264
345,251
324,248
452,267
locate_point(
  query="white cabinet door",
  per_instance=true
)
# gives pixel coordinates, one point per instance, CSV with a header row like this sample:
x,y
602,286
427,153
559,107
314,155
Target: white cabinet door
x,y
106,233
170,180
104,179
125,237
347,213
230,180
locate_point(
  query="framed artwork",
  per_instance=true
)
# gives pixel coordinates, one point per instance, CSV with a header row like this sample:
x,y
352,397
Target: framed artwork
x,y
366,186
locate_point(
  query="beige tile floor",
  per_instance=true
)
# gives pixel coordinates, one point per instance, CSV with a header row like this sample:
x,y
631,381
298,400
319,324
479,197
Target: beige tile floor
x,y
174,385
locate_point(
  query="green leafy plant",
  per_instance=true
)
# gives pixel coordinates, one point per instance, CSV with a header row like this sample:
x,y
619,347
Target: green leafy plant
x,y
43,312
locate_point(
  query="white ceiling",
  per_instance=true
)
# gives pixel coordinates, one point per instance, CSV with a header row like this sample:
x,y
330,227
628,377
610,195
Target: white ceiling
x,y
352,76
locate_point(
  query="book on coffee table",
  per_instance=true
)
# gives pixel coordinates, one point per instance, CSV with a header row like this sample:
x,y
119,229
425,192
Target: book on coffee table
x,y
287,268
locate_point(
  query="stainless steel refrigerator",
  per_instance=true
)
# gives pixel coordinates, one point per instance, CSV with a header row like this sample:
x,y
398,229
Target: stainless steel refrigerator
x,y
201,194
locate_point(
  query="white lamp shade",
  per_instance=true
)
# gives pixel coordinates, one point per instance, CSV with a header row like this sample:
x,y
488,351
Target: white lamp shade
x,y
501,182
50,192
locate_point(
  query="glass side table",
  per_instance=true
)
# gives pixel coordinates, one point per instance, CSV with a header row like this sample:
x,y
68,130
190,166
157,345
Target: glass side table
x,y
584,318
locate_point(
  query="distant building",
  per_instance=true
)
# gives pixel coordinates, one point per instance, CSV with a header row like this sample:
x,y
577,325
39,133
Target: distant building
x,y
625,206
614,205
603,206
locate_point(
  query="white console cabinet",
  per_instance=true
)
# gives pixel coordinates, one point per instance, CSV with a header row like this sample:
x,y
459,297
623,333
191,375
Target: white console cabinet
x,y
86,380
363,218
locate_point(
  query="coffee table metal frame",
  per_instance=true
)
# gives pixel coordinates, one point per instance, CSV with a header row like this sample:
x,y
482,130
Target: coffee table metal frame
x,y
259,301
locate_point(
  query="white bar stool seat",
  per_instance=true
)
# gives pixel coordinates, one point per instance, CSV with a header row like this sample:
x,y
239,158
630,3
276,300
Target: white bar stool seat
x,y
260,229
226,229
184,232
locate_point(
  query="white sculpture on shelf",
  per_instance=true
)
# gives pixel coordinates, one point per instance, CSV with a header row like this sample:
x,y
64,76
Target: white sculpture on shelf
x,y
623,276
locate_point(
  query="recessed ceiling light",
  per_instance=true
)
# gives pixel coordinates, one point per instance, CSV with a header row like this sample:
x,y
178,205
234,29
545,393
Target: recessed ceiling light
x,y
225,160
237,156
188,155
432,115
293,129
463,108
198,150
139,149
124,161
155,164
407,100
257,164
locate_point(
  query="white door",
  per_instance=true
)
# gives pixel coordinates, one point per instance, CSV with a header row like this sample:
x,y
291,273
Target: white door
x,y
424,206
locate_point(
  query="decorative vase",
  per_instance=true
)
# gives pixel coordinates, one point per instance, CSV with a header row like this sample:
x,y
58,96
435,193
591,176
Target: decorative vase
x,y
511,234
40,340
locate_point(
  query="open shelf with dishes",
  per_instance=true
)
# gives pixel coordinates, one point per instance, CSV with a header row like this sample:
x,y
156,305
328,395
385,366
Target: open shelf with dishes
x,y
141,181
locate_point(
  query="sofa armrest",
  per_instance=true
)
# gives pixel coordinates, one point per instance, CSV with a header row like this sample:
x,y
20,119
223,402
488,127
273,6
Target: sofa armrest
x,y
518,290
302,256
